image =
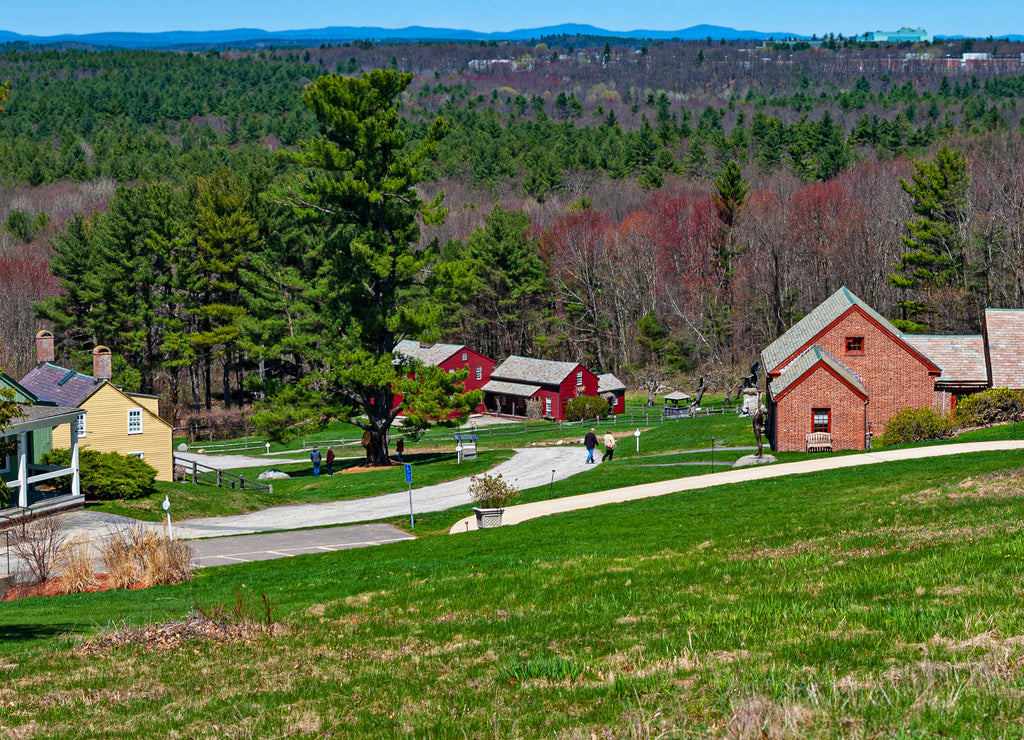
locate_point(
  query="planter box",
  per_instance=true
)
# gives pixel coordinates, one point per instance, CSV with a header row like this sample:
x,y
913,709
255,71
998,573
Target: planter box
x,y
487,518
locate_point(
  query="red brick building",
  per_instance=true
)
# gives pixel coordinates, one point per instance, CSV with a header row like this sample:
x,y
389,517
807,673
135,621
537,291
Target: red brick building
x,y
845,370
519,379
449,357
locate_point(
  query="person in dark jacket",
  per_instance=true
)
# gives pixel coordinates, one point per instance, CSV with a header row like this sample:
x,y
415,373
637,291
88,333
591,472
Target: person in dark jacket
x,y
590,442
315,458
330,461
400,447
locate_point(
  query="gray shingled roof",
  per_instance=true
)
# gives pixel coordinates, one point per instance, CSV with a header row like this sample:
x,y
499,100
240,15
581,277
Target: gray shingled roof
x,y
808,359
49,382
807,328
510,389
608,383
435,354
962,358
37,417
531,370
1004,328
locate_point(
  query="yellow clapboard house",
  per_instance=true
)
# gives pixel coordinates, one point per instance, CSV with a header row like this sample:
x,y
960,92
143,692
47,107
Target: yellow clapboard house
x,y
117,421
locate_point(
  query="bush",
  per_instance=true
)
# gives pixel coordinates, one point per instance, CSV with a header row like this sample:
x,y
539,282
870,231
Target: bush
x,y
491,491
917,425
106,475
989,407
587,407
137,554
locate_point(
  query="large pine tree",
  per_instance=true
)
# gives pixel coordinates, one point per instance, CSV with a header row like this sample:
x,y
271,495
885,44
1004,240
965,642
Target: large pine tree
x,y
358,190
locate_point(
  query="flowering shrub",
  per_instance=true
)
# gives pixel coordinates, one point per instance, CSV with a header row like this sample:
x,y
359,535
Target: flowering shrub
x,y
491,491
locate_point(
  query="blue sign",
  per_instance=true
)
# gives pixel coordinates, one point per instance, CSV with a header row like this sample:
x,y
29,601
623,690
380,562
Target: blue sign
x,y
408,473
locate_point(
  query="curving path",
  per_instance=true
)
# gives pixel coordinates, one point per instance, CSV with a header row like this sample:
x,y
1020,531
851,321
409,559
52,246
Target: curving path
x,y
526,469
525,512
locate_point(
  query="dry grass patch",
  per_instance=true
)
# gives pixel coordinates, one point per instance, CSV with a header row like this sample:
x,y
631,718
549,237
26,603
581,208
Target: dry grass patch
x,y
760,717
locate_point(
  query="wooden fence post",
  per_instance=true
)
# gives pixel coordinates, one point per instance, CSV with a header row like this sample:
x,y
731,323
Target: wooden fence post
x,y
193,472
241,481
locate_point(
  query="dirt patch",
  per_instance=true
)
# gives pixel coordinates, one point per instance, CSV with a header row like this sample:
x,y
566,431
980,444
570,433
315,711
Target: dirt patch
x,y
55,587
172,634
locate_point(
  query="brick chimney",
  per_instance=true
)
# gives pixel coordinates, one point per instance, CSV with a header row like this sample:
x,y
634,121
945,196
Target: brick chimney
x,y
101,363
44,346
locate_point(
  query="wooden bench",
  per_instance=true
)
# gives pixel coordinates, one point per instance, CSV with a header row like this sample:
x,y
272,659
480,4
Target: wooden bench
x,y
819,442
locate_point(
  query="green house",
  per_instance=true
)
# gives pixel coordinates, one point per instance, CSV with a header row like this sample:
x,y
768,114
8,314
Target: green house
x,y
21,471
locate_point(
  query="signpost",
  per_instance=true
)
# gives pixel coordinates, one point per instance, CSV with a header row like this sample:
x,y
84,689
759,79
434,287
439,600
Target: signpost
x,y
637,435
408,479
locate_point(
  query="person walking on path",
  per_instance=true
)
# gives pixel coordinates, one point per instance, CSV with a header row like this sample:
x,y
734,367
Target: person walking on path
x,y
590,442
609,447
330,461
400,447
315,457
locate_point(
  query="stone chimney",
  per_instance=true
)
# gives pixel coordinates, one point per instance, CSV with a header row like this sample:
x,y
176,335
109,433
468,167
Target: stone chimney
x,y
101,363
44,346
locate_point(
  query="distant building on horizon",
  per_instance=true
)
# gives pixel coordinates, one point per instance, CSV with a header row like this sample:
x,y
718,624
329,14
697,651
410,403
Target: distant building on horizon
x,y
905,34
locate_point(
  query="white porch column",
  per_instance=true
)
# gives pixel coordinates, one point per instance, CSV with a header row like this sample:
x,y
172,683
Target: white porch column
x,y
23,469
76,476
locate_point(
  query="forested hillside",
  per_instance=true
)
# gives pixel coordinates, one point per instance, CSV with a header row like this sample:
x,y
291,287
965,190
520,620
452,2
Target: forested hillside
x,y
651,209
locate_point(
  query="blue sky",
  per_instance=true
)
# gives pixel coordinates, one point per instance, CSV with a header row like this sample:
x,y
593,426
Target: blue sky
x,y
943,17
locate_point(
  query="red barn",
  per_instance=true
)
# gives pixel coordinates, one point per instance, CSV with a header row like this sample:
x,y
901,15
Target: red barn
x,y
520,379
448,357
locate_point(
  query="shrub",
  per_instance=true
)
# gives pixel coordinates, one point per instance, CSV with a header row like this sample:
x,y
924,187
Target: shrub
x,y
917,425
38,541
75,565
989,407
106,475
491,491
587,407
138,554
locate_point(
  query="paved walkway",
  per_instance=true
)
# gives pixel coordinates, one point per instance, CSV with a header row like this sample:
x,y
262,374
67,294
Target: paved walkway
x,y
525,512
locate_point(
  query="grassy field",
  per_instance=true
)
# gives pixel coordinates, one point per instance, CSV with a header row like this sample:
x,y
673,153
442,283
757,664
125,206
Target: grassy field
x,y
874,602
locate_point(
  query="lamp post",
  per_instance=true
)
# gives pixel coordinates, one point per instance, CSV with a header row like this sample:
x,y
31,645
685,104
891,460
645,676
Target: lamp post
x,y
712,453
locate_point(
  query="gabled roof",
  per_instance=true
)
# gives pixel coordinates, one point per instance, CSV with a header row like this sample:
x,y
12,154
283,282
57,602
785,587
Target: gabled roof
x,y
1004,334
532,370
806,362
608,383
813,324
962,358
510,389
21,393
433,354
49,382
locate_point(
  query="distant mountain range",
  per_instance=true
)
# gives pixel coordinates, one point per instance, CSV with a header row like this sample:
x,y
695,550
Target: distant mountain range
x,y
255,36
247,37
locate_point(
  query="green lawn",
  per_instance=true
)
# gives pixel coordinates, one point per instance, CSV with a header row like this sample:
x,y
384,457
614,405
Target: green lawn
x,y
874,602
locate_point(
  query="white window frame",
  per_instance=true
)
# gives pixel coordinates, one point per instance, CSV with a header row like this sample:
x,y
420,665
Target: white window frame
x,y
80,428
140,455
465,356
579,377
547,406
479,372
137,413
